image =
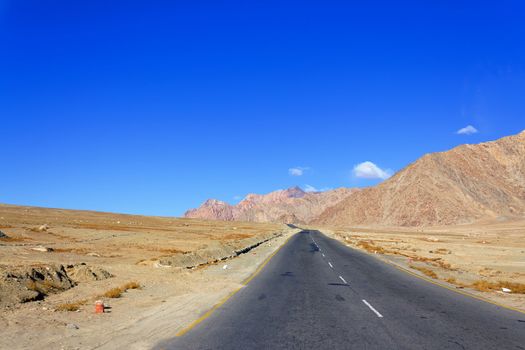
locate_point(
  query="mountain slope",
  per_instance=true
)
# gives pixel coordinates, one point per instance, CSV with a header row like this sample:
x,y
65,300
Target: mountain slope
x,y
465,184
292,205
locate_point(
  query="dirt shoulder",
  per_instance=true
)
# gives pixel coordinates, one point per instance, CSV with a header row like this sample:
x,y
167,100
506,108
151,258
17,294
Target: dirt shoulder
x,y
480,259
166,271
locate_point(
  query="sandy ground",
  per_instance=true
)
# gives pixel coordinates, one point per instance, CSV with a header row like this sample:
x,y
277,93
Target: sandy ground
x,y
459,256
170,298
124,245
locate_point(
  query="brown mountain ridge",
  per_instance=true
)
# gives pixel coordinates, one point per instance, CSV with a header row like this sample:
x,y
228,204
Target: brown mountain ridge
x,y
463,185
292,205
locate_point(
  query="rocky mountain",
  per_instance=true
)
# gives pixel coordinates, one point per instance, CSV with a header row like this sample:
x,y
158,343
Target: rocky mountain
x,y
292,205
462,185
465,184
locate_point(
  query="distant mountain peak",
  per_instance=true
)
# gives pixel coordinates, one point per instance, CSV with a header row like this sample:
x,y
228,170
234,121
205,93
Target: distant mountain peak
x,y
212,202
291,205
295,192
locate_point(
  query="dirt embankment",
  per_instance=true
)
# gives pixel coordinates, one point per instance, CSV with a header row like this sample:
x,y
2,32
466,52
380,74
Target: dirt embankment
x,y
215,252
21,284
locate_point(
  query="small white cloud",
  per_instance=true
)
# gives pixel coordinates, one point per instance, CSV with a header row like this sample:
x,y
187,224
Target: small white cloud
x,y
467,130
237,197
297,171
309,188
368,170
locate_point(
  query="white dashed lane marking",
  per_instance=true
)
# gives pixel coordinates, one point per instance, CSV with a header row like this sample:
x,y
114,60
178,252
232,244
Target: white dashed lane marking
x,y
329,263
342,279
372,308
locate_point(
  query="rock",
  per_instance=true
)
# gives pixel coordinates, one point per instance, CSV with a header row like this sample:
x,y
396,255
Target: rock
x,y
159,265
506,290
93,254
43,228
85,273
42,249
71,326
3,235
225,267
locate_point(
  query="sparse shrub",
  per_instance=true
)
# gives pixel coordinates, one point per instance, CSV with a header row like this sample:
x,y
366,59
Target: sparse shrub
x,y
117,291
487,286
444,265
73,306
371,247
451,280
113,293
426,271
131,285
518,288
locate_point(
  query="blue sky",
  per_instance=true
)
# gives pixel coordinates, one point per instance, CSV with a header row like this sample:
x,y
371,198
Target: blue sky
x,y
151,107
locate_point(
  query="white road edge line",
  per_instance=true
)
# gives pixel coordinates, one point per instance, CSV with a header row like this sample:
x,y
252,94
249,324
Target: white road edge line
x,y
342,279
329,263
322,255
372,308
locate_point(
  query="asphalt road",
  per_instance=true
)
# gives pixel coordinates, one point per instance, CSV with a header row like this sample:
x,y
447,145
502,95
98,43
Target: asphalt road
x,y
315,293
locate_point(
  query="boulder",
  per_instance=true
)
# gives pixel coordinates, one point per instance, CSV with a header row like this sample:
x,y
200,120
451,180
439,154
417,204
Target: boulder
x,y
43,228
42,249
84,273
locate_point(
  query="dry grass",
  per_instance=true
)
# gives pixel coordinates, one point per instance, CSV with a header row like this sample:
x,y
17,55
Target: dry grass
x,y
131,285
73,306
72,250
425,259
15,239
426,271
487,286
444,265
370,247
113,293
233,236
451,280
117,291
170,250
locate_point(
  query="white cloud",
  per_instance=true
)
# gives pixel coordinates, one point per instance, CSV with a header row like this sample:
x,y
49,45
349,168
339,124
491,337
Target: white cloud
x,y
368,170
297,171
309,188
467,130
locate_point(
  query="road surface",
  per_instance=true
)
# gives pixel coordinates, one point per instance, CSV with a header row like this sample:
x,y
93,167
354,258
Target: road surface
x,y
316,293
